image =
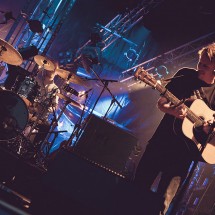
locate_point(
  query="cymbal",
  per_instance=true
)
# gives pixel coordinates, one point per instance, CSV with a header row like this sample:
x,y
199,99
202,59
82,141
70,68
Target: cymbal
x,y
44,62
73,79
69,100
62,73
9,54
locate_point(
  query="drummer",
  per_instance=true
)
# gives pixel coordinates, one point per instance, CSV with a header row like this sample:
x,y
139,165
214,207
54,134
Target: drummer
x,y
45,104
47,99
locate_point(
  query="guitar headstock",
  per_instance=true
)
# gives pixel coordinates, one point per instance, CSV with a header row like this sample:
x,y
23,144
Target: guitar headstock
x,y
143,75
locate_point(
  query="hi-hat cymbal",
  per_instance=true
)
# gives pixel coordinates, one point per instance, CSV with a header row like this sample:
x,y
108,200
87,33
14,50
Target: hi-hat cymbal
x,y
9,54
73,77
69,100
44,62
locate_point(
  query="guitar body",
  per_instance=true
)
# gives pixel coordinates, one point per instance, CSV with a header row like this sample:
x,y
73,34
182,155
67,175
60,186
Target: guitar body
x,y
201,109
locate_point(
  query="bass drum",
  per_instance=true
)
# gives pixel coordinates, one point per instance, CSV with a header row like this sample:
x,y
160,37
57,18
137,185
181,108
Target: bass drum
x,y
13,115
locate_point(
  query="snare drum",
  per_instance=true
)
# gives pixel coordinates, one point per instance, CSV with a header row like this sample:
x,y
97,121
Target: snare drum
x,y
13,115
28,90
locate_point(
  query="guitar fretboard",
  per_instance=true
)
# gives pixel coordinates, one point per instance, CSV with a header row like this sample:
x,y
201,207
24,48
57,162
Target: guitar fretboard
x,y
190,114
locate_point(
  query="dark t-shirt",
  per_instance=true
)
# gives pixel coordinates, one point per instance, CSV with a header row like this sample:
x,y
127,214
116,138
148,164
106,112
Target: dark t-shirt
x,y
183,86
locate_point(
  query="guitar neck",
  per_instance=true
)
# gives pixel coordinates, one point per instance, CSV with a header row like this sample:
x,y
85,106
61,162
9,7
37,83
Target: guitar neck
x,y
173,99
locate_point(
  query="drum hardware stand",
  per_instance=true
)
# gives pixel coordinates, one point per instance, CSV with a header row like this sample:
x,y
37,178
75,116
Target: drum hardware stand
x,y
53,132
77,128
38,117
53,125
15,84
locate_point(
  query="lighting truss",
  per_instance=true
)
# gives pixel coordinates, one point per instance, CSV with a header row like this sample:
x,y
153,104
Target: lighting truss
x,y
51,17
178,57
122,23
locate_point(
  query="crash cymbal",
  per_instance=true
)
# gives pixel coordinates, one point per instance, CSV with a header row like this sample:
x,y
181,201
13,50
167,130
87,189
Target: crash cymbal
x,y
73,78
69,100
62,73
9,54
44,62
77,80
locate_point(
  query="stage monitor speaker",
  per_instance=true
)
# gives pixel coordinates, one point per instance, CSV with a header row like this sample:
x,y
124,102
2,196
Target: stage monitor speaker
x,y
106,145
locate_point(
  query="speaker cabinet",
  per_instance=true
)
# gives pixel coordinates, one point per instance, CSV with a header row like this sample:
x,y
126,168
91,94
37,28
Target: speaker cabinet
x,y
106,145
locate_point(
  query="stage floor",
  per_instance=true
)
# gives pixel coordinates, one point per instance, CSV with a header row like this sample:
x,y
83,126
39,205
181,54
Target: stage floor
x,y
71,185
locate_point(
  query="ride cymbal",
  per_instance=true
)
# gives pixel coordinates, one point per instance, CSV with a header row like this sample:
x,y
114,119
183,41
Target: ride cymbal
x,y
69,100
70,76
9,54
44,62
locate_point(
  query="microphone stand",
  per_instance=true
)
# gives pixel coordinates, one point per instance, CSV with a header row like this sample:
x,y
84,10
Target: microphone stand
x,y
105,84
105,87
105,116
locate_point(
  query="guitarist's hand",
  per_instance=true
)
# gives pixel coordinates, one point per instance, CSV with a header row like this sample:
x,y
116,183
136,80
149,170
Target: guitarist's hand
x,y
208,126
201,131
165,106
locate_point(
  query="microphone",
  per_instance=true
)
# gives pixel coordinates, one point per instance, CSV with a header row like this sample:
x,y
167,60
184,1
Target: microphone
x,y
86,92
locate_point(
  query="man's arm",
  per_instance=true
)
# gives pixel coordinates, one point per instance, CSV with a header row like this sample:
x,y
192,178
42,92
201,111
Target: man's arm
x,y
165,106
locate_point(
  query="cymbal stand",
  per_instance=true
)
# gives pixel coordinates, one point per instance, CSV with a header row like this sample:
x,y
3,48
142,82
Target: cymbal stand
x,y
77,128
53,125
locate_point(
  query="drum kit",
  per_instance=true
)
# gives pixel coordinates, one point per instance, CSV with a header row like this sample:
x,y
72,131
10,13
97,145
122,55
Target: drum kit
x,y
20,120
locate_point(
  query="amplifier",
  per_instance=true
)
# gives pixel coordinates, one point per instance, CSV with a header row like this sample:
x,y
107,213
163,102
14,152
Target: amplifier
x,y
107,145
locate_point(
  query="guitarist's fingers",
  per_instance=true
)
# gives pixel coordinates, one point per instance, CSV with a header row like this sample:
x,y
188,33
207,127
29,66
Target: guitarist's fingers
x,y
180,112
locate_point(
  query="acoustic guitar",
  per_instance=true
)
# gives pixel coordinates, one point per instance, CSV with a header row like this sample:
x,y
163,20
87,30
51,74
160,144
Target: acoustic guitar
x,y
197,113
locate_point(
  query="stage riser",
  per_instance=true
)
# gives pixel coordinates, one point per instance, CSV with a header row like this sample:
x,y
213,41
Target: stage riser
x,y
76,185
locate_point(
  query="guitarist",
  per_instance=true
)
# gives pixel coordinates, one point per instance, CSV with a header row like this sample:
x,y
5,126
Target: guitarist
x,y
167,152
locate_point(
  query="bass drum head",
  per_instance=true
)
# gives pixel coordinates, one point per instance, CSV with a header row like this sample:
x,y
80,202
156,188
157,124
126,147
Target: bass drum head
x,y
13,115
